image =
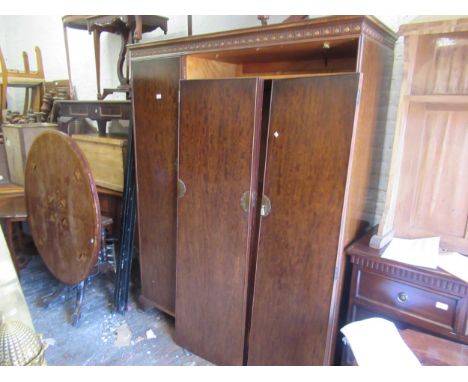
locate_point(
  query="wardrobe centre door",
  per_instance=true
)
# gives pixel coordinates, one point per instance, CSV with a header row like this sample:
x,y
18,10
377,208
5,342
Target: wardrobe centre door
x,y
219,133
309,140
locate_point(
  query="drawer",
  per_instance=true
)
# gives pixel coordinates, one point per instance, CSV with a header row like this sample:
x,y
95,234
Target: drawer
x,y
112,111
429,306
76,110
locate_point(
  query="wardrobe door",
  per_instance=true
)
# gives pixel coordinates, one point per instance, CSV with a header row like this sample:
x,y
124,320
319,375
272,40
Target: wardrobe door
x,y
309,140
219,135
155,105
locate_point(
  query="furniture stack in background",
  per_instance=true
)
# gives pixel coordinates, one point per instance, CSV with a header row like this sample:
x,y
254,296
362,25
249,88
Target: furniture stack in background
x,y
31,81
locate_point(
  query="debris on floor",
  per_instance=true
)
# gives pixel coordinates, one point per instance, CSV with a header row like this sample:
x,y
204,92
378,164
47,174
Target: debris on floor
x,y
103,337
48,341
150,334
123,336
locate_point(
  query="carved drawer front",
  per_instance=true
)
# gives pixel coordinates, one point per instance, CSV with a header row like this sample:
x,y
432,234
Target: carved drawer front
x,y
430,306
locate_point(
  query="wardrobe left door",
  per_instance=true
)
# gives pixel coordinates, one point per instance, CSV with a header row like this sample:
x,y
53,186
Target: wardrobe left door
x,y
219,141
155,110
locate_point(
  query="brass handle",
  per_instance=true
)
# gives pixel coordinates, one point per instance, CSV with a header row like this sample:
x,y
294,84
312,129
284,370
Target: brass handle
x,y
245,201
266,206
402,297
181,189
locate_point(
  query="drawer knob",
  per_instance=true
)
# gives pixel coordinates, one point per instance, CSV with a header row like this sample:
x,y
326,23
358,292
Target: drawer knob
x,y
402,297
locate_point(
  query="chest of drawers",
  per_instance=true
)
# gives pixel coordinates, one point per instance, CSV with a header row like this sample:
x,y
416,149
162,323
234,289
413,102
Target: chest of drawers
x,y
424,299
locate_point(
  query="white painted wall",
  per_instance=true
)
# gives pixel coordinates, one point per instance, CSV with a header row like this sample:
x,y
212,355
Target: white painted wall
x,y
18,33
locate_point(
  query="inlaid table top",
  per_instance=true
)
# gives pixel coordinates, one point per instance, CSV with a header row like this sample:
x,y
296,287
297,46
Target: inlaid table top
x,y
63,207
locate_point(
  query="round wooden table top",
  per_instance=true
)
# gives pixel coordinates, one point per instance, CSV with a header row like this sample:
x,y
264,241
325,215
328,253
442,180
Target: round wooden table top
x,y
63,207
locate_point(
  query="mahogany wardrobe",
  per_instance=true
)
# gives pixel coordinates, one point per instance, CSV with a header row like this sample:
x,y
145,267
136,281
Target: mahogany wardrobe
x,y
254,152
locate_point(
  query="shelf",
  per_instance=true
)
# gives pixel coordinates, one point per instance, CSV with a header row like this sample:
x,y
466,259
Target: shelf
x,y
439,98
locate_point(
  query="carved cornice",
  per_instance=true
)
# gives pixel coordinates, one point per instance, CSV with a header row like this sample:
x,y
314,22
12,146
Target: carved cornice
x,y
433,280
268,36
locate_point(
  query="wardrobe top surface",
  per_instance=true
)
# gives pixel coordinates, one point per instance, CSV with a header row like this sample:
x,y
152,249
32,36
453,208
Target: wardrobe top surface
x,y
327,27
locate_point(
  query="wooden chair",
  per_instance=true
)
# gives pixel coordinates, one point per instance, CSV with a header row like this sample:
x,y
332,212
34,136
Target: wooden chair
x,y
32,81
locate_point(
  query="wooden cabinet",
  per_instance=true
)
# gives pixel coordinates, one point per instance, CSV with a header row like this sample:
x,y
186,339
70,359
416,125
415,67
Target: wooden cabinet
x,y
424,299
427,186
275,146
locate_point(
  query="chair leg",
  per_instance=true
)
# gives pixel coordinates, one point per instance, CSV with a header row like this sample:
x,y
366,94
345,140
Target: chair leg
x,y
36,98
26,101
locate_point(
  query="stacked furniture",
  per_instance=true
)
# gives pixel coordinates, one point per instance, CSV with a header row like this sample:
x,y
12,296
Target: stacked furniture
x,y
30,80
253,158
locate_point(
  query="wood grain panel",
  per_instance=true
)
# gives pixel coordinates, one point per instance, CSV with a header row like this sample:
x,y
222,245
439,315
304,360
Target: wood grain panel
x,y
106,157
309,140
218,161
202,68
436,138
441,64
375,63
155,105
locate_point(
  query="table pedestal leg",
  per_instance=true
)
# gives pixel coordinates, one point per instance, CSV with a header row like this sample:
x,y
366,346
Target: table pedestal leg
x,y
79,301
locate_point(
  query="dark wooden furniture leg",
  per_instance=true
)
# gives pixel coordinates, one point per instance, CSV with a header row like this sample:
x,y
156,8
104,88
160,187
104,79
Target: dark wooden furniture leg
x,y
80,288
124,36
102,125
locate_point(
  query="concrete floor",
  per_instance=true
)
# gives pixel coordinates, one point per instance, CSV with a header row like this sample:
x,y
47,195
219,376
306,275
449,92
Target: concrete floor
x,y
102,337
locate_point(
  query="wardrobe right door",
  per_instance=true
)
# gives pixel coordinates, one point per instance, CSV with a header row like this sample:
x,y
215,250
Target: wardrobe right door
x,y
309,141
